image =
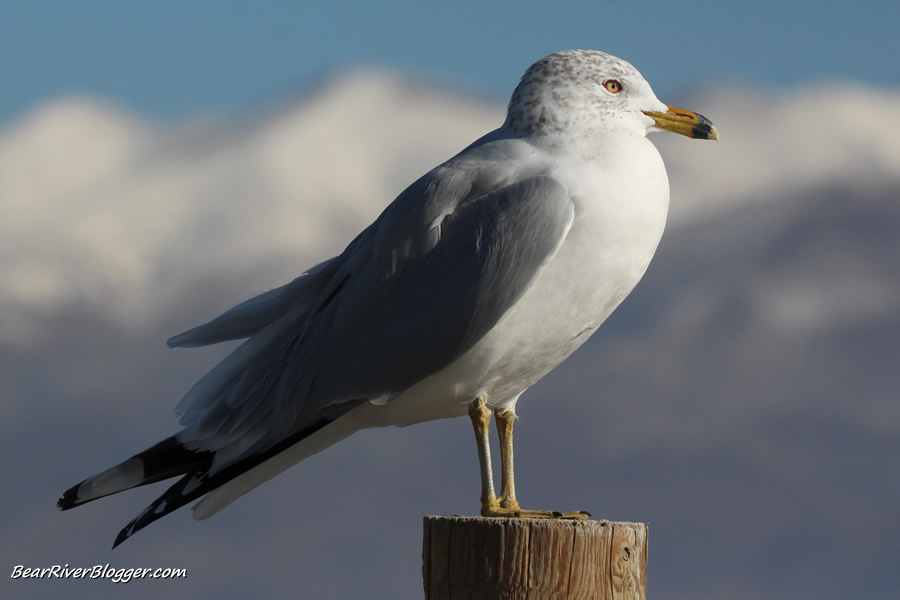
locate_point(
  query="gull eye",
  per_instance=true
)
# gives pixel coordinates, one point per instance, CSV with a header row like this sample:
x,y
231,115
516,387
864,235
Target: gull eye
x,y
612,86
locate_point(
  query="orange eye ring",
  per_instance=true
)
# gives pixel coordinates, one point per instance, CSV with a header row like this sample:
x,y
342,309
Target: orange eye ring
x,y
612,86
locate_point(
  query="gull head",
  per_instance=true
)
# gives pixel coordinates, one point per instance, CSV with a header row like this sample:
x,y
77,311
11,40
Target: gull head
x,y
585,93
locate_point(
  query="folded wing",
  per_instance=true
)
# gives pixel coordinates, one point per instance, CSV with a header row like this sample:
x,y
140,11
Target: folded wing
x,y
412,293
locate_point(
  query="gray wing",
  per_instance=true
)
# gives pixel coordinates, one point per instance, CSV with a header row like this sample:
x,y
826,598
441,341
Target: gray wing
x,y
413,292
250,317
441,304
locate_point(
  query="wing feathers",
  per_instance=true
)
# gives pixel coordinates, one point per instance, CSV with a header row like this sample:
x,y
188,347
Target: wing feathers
x,y
198,483
253,315
169,458
408,296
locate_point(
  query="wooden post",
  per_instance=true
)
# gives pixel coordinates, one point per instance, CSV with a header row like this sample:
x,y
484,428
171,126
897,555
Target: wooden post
x,y
517,559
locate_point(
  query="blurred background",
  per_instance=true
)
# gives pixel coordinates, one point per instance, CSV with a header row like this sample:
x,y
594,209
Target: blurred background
x,y
161,162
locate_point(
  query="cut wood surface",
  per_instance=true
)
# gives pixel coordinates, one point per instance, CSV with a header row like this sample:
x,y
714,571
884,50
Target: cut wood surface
x,y
498,558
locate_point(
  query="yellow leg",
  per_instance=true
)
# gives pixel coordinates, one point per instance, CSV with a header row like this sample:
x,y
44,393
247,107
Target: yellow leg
x,y
505,419
506,505
481,418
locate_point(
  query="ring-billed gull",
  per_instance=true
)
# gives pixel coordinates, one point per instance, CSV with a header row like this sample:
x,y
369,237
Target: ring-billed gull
x,y
481,277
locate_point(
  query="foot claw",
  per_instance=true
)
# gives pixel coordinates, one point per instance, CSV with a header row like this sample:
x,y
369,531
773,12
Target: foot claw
x,y
495,510
580,515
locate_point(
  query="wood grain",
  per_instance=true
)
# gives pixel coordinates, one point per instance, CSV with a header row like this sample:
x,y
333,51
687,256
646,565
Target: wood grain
x,y
516,559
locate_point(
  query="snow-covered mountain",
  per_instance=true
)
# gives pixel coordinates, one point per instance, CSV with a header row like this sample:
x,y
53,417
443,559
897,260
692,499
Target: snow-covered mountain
x,y
104,209
743,400
777,145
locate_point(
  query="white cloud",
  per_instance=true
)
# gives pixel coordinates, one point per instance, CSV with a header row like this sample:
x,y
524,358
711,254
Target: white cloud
x,y
99,206
783,142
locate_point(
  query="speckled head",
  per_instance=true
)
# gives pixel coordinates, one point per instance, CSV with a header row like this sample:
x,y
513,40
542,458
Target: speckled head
x,y
578,95
565,91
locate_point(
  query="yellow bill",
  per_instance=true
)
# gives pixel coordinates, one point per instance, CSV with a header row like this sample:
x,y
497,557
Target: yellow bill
x,y
685,122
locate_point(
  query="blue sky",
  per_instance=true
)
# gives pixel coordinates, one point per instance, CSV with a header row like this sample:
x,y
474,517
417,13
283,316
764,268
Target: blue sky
x,y
172,59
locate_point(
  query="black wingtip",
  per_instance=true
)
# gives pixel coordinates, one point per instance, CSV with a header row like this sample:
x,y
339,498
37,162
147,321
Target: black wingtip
x,y
123,535
69,499
149,514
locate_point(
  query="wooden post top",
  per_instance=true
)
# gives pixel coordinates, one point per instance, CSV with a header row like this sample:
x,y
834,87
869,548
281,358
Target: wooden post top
x,y
517,559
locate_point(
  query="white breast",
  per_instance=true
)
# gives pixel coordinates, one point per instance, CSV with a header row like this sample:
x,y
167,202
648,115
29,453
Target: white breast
x,y
618,224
